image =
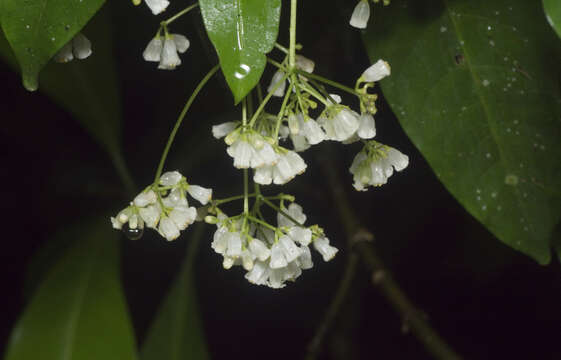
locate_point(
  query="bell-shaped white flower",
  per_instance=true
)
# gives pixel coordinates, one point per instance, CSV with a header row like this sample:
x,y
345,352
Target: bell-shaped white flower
x,y
156,6
278,84
287,167
199,193
170,178
164,50
300,235
79,47
377,71
304,64
259,249
305,259
278,260
361,14
168,229
322,246
289,248
367,126
151,215
183,216
340,124
145,198
221,130
259,273
295,211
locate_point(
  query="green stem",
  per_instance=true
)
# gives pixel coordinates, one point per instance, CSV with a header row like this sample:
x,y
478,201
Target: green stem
x,y
266,100
276,64
310,90
230,199
180,120
281,112
256,220
179,14
281,48
276,208
328,82
292,49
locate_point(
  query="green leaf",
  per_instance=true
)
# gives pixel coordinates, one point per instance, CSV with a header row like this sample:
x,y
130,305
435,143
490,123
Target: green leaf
x,y
176,333
88,89
553,14
475,84
79,311
37,29
242,32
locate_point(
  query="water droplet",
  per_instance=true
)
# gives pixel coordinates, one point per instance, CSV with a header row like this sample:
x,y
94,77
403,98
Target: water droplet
x,y
542,147
484,207
27,27
67,27
486,82
53,39
499,208
464,108
478,191
443,29
505,59
525,228
508,129
488,156
489,28
491,42
462,42
515,122
494,194
243,71
132,234
511,179
478,198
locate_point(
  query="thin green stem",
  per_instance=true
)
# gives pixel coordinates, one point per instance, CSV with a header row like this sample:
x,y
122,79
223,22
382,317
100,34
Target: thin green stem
x,y
179,14
245,171
276,208
180,120
281,112
260,222
310,90
292,49
231,198
266,100
275,63
328,82
281,48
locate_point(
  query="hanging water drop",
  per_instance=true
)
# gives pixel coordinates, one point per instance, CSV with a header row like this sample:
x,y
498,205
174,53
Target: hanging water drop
x,y
132,234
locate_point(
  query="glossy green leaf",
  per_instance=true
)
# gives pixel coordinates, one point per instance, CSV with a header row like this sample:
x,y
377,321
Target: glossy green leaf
x,y
242,32
475,84
79,311
176,332
553,14
37,29
88,88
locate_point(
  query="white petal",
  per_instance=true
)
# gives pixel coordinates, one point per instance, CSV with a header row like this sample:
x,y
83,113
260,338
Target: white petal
x,y
268,154
168,229
153,49
277,78
312,131
259,274
234,245
157,6
116,223
290,250
345,123
247,260
357,161
228,262
296,162
336,98
305,259
259,249
64,55
367,127
183,216
293,124
397,159
150,214
276,279
145,198
170,178
300,234
294,211
181,42
169,59
377,72
327,251
300,143
304,64
175,198
360,15
220,241
263,175
277,257
199,193
82,47
221,130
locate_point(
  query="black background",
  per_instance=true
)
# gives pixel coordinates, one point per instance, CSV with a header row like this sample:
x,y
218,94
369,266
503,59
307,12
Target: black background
x,y
486,300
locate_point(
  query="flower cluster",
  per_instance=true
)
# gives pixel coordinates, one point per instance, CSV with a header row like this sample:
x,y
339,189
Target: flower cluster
x,y
164,50
270,255
163,207
375,163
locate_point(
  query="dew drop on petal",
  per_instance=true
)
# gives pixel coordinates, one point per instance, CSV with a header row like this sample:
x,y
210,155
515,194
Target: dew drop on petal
x,y
132,234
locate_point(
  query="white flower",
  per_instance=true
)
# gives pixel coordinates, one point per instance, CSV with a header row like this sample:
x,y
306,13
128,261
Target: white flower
x,y
183,216
377,71
259,273
168,229
295,211
199,193
375,164
286,168
170,178
79,47
165,50
340,125
305,259
300,235
361,14
221,130
289,248
304,64
145,198
367,126
151,215
157,6
276,83
278,260
252,150
322,246
259,249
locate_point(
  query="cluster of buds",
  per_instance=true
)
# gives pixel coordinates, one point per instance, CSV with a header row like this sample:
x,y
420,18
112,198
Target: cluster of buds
x,y
163,207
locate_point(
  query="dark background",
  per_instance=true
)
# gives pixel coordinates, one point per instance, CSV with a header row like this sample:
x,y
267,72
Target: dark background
x,y
486,300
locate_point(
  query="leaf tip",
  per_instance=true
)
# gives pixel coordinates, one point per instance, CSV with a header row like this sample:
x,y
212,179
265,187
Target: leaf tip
x,y
30,82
